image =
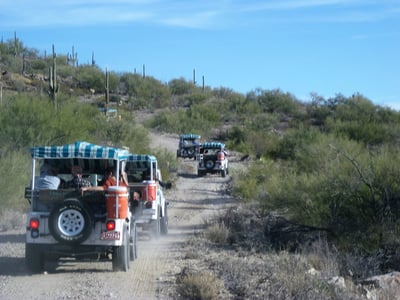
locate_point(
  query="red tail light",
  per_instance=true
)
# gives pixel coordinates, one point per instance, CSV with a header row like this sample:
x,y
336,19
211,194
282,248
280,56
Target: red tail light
x,y
220,156
34,223
110,225
148,204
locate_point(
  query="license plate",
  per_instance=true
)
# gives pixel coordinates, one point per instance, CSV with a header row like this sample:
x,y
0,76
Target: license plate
x,y
110,235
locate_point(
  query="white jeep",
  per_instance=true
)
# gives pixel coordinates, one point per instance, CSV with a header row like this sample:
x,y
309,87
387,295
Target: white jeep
x,y
212,159
149,205
66,223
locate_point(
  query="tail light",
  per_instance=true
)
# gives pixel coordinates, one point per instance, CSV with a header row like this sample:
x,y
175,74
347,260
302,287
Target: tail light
x,y
34,224
220,156
110,225
34,227
148,204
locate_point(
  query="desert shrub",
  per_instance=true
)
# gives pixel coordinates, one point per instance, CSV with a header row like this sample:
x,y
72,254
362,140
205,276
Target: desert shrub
x,y
275,101
368,133
28,121
197,98
15,169
146,92
200,286
197,118
181,86
39,65
359,119
167,162
333,184
90,77
217,233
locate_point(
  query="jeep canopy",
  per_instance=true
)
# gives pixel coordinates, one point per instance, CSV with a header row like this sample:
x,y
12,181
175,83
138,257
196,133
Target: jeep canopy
x,y
141,167
189,136
79,150
213,145
92,158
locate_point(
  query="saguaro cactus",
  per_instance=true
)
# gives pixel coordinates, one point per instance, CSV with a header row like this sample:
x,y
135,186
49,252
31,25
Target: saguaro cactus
x,y
107,91
53,85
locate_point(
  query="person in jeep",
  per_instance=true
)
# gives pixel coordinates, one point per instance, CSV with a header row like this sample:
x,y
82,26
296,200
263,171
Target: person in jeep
x,y
48,179
109,180
77,181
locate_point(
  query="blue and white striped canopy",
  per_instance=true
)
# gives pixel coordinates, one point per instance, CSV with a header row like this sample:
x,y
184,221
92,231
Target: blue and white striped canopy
x,y
213,145
190,136
139,162
141,157
79,150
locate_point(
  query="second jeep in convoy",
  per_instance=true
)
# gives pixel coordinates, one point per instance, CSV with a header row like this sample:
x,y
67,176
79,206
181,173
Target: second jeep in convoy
x,y
148,204
212,159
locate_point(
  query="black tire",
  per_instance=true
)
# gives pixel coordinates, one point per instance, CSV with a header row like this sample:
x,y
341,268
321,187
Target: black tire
x,y
70,222
164,222
133,242
34,258
223,173
120,257
210,164
156,225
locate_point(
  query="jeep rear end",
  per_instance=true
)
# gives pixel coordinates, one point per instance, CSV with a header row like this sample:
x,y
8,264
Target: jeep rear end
x,y
149,205
66,223
189,145
212,158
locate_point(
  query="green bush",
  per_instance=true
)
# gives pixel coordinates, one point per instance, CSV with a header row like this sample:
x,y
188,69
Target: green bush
x,y
332,184
145,92
15,169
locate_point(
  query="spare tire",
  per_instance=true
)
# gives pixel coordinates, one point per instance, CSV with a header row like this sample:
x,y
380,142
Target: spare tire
x,y
190,151
210,164
70,222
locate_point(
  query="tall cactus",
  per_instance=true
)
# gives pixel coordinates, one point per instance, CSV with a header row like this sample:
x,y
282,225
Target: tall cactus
x,y
107,91
53,85
16,50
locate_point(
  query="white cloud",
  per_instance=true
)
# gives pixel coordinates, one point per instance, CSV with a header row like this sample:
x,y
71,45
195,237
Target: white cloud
x,y
204,14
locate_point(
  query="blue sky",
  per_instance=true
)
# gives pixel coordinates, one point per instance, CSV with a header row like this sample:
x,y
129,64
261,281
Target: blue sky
x,y
325,47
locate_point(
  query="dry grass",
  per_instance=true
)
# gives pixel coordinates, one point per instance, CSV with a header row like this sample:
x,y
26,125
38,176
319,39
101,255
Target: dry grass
x,y
217,233
245,267
11,219
202,286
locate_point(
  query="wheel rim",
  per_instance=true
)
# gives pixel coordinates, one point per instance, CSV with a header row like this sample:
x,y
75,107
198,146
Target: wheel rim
x,y
209,164
71,222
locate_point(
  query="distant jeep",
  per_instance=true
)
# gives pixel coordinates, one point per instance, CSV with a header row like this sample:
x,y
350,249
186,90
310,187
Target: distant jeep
x,y
189,145
64,222
212,158
149,205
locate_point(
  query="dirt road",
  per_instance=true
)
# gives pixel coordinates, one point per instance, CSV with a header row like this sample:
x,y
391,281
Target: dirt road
x,y
152,276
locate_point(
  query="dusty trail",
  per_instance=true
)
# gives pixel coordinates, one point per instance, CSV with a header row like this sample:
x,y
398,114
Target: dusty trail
x,y
151,276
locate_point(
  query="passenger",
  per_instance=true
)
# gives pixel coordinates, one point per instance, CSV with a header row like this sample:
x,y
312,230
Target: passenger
x,y
77,181
109,180
48,179
146,175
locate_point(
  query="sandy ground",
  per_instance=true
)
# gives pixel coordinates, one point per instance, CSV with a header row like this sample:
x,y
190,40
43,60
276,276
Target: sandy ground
x,y
192,200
